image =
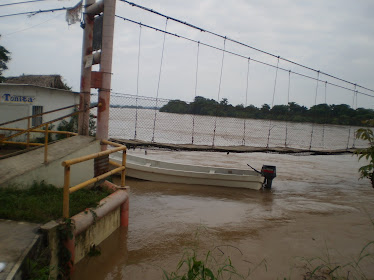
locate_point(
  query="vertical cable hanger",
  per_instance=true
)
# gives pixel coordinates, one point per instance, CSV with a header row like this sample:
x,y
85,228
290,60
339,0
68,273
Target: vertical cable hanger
x,y
272,102
350,126
327,116
219,90
315,103
288,109
137,83
246,102
354,133
159,79
196,75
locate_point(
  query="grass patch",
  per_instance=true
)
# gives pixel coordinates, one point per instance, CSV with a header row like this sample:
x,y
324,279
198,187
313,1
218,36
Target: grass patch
x,y
43,202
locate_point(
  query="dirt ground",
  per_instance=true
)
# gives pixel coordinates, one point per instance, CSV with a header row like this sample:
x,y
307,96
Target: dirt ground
x,y
317,212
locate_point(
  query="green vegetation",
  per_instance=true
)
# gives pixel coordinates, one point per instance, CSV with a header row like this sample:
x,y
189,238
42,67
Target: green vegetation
x,y
43,202
366,171
72,126
38,268
341,114
207,268
4,59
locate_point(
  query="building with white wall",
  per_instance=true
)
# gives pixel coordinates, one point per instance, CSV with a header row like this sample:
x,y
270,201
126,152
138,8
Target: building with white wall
x,y
21,100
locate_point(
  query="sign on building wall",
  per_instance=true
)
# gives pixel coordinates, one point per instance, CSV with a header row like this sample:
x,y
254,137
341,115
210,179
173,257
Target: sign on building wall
x,y
11,98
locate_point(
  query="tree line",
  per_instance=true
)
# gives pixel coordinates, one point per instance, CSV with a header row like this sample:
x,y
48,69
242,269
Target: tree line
x,y
341,114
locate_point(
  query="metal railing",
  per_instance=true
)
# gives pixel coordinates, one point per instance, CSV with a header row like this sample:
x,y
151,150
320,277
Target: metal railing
x,y
68,163
35,129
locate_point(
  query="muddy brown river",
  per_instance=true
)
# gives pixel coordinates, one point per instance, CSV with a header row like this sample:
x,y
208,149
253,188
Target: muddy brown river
x,y
317,211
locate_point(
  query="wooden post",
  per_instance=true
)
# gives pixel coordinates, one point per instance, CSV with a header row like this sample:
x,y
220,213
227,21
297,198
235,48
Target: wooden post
x,y
65,205
123,175
46,144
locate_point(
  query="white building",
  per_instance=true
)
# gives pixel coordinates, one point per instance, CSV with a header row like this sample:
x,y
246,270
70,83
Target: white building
x,y
19,100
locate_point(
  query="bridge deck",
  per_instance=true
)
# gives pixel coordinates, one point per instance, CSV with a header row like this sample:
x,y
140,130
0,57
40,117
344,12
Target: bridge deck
x,y
232,149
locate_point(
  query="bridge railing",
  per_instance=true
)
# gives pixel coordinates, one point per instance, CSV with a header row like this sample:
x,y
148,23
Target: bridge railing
x,y
68,163
35,129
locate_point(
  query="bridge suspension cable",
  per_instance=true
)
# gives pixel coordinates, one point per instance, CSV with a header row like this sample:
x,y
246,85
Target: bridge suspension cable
x,y
242,56
219,90
272,102
242,44
137,82
196,76
159,80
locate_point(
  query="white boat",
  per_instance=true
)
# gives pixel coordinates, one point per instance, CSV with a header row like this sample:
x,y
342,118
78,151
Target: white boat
x,y
161,171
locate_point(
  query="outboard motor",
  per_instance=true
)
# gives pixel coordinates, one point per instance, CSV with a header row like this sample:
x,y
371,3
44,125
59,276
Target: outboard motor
x,y
269,172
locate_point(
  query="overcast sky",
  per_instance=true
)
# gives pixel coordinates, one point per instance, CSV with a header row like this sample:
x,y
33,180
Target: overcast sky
x,y
333,36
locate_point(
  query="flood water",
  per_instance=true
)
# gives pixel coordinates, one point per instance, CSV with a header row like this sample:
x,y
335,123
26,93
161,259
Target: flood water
x,y
316,208
182,128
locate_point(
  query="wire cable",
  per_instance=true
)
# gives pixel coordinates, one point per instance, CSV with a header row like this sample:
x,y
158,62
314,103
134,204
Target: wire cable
x,y
196,76
33,13
240,55
24,2
21,30
246,101
137,82
242,44
159,81
272,102
315,104
219,90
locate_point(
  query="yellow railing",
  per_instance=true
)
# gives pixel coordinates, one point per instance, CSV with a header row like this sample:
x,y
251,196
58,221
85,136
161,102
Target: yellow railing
x,y
34,129
67,163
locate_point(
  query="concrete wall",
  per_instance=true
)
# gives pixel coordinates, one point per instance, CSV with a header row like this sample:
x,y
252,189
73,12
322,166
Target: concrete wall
x,y
90,229
96,233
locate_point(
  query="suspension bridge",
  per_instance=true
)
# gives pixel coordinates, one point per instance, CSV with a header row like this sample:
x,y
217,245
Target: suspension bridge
x,y
219,73
254,99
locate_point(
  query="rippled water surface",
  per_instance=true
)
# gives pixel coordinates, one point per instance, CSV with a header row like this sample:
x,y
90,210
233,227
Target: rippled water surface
x,y
317,206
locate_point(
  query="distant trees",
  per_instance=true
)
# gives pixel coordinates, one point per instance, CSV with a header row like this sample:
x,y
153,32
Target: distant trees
x,y
4,59
322,113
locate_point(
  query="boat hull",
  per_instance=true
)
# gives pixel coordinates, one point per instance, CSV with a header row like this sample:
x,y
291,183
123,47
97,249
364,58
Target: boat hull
x,y
159,171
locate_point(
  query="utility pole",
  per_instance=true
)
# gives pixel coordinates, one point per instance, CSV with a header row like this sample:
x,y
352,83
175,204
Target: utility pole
x,y
97,49
86,66
106,70
101,79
